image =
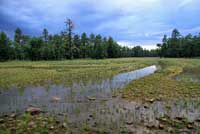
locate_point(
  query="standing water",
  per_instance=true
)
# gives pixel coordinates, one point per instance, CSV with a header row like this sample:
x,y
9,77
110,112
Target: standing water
x,y
92,103
15,100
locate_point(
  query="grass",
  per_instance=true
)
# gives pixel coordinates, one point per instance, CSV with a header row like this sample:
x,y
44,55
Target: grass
x,y
23,73
162,85
176,125
28,124
43,124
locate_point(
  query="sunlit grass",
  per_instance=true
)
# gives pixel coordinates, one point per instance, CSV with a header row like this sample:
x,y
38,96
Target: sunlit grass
x,y
23,73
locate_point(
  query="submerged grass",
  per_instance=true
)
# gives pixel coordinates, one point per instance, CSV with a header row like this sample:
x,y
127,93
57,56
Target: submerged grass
x,y
44,124
23,73
161,85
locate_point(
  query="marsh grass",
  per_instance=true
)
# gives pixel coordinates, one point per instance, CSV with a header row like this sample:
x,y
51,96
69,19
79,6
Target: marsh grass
x,y
191,74
28,124
42,73
161,85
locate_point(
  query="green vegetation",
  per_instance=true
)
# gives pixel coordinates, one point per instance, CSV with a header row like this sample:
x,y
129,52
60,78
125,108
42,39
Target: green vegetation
x,y
175,125
162,84
28,124
24,73
44,124
65,45
180,46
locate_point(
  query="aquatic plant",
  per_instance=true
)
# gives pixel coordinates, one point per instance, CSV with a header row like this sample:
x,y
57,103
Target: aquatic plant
x,y
161,85
24,73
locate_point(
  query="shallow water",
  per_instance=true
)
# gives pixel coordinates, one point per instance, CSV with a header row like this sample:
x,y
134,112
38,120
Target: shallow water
x,y
189,74
188,77
103,110
15,100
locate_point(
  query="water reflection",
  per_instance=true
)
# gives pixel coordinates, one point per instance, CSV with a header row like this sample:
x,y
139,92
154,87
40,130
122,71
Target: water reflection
x,y
14,100
103,110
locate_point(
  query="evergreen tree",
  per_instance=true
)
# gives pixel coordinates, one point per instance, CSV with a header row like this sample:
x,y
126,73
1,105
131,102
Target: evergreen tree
x,y
45,35
4,47
76,48
18,36
84,41
70,27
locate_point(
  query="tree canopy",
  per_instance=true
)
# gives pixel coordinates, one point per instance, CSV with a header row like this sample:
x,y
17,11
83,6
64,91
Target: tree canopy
x,y
65,45
180,46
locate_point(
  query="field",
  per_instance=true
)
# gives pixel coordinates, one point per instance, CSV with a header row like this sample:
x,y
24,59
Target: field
x,y
23,73
95,96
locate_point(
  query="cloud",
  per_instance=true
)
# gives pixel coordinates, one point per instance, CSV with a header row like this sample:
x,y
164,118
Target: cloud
x,y
151,44
184,3
139,22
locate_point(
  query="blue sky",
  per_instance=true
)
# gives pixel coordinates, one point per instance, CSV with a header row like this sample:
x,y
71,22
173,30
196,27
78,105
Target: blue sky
x,y
129,22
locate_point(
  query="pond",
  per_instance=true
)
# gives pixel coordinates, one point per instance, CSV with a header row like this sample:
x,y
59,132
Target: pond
x,y
93,103
15,100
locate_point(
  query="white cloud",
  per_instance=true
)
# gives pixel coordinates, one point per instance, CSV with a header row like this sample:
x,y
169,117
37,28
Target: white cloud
x,y
149,44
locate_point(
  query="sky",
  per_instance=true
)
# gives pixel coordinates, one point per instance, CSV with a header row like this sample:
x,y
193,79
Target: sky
x,y
129,22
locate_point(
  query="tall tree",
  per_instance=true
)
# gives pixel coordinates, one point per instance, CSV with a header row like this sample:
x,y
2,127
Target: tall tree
x,y
174,43
92,38
175,34
35,44
67,46
76,41
180,46
18,36
98,49
4,47
110,49
163,46
84,41
45,35
76,48
160,49
70,27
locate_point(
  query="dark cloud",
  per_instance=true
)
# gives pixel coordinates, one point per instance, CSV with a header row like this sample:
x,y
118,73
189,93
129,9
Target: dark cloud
x,y
143,22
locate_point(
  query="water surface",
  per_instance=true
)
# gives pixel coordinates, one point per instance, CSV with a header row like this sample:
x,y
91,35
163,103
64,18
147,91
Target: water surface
x,y
15,100
103,111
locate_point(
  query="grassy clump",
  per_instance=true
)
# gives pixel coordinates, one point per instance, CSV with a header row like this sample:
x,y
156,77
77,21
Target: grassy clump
x,y
175,125
44,124
28,124
161,85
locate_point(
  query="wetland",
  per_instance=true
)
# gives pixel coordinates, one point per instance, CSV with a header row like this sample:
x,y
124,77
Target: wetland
x,y
127,95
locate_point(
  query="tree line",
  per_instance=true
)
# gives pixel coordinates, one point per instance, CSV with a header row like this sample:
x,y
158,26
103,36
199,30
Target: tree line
x,y
65,45
180,46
